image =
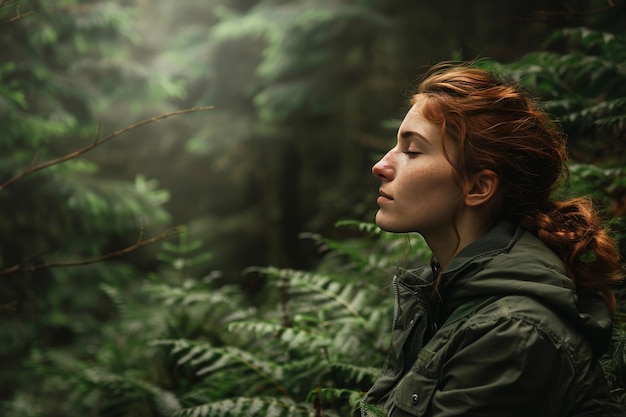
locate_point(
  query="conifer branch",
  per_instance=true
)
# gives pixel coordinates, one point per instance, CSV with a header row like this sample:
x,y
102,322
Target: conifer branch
x,y
38,167
140,243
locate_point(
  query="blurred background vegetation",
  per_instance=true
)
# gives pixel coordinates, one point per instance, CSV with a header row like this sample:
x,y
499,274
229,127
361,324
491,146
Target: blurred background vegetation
x,y
267,292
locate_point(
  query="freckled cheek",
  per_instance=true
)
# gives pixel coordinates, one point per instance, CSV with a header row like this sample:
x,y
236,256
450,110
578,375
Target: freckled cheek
x,y
449,186
440,182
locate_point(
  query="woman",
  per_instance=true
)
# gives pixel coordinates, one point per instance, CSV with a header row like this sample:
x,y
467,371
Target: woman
x,y
513,313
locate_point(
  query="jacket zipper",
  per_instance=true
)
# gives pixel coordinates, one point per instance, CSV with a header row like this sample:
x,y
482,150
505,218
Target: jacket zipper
x,y
396,303
396,309
423,301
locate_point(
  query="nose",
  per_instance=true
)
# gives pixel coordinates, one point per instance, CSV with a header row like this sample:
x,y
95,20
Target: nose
x,y
383,169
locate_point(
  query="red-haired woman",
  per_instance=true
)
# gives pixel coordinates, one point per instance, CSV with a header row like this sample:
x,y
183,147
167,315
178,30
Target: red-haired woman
x,y
513,313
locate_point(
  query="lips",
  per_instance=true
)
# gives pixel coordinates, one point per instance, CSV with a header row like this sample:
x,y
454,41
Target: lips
x,y
384,196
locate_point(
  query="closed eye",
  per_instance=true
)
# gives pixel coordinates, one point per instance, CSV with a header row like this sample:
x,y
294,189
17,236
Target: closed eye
x,y
411,153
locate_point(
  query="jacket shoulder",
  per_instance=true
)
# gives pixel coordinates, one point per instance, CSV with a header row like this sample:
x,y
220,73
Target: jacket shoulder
x,y
528,313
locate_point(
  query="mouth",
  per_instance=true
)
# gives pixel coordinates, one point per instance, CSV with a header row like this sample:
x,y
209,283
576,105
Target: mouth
x,y
383,197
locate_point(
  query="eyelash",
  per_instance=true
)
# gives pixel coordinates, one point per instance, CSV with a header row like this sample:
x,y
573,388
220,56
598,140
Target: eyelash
x,y
411,153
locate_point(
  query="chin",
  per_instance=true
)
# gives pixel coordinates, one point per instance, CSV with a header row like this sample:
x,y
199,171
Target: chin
x,y
389,227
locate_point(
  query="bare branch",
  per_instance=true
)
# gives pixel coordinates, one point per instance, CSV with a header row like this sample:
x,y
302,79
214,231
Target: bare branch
x,y
16,18
140,243
38,167
4,3
18,14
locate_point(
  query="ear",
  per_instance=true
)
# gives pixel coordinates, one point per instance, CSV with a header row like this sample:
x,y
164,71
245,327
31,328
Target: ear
x,y
481,188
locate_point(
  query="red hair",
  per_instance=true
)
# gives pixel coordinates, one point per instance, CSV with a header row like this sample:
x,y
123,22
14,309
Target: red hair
x,y
497,126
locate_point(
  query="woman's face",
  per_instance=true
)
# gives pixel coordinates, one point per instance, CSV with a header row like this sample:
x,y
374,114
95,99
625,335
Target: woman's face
x,y
418,191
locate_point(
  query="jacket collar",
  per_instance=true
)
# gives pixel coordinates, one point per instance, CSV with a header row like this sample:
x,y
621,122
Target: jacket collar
x,y
475,256
498,240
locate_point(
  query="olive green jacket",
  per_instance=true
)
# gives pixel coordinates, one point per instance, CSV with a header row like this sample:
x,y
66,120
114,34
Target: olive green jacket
x,y
508,336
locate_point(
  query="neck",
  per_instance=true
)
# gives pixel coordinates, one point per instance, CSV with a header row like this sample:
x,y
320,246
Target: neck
x,y
445,246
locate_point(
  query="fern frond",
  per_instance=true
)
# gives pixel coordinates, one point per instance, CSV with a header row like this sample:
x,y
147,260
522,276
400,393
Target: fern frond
x,y
604,113
350,254
357,373
192,293
337,394
373,411
585,36
118,390
166,402
323,293
205,360
299,339
115,296
259,328
372,254
370,228
252,407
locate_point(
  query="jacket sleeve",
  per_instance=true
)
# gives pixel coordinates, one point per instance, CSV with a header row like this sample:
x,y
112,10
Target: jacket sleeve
x,y
504,367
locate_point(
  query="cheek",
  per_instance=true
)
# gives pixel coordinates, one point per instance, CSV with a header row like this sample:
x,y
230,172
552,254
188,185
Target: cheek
x,y
447,181
446,174
439,176
443,188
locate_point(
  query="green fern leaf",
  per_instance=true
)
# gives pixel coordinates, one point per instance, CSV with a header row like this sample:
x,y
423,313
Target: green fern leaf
x,y
252,407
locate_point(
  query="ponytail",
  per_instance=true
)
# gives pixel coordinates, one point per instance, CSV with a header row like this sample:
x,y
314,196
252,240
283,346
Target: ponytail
x,y
575,233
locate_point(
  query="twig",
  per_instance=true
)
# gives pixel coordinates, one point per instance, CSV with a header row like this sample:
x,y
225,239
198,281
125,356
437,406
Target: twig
x,y
140,243
38,167
18,15
6,3
16,18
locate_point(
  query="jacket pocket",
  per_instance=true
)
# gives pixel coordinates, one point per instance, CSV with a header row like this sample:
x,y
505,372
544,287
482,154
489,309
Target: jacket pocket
x,y
414,392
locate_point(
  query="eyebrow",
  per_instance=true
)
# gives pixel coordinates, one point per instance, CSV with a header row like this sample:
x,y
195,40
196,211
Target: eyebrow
x,y
408,135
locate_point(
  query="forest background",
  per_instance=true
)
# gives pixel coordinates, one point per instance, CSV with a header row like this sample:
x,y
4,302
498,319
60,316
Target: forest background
x,y
163,258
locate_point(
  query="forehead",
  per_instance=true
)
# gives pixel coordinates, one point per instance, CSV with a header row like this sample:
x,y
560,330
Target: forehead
x,y
415,123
